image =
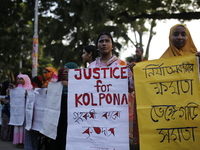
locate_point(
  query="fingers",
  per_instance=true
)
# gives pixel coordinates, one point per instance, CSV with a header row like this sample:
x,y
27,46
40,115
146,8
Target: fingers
x,y
131,65
198,54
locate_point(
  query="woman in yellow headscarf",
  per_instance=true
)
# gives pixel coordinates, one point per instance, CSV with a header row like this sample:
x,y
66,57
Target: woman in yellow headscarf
x,y
180,42
50,75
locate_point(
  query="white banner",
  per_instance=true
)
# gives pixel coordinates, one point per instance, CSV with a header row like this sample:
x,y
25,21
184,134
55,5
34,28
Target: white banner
x,y
29,109
52,110
39,107
98,109
17,106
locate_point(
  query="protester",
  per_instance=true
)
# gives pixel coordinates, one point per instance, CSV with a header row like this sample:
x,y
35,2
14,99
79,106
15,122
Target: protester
x,y
37,82
60,74
60,142
6,133
50,75
105,47
32,136
89,53
133,121
18,138
139,55
180,42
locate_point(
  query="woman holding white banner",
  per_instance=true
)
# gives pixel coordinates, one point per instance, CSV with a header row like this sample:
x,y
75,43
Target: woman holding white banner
x,y
105,46
50,75
18,138
60,142
6,132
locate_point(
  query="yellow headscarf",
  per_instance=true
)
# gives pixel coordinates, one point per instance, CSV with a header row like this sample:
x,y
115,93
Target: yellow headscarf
x,y
189,47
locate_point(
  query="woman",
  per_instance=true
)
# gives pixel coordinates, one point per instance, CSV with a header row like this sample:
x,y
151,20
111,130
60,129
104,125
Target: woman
x,y
18,138
6,129
60,74
50,75
180,42
89,53
37,82
32,136
60,142
105,47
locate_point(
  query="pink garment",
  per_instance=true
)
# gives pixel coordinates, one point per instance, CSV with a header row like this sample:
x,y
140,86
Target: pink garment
x,y
54,77
27,80
18,76
19,131
18,136
113,62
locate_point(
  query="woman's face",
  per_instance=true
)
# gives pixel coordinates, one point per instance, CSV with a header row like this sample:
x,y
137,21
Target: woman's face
x,y
45,71
105,44
138,52
86,56
18,81
179,37
21,81
47,74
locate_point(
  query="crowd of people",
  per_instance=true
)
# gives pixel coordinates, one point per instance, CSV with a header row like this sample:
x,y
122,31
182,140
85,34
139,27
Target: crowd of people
x,y
180,43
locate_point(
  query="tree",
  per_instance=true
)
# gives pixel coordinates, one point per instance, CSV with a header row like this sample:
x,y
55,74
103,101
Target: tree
x,y
12,29
65,26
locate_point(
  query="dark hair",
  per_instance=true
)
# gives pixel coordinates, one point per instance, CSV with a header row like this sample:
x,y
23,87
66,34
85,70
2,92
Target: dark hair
x,y
108,34
5,85
140,48
37,81
93,49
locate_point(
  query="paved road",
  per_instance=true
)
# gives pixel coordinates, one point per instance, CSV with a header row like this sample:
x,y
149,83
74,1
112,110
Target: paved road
x,y
8,146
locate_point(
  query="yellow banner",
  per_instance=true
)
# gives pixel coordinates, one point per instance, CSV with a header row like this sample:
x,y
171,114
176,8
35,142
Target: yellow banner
x,y
168,99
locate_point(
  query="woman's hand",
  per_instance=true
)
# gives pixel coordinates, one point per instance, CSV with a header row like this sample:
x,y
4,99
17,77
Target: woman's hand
x,y
131,65
198,54
11,86
65,83
44,86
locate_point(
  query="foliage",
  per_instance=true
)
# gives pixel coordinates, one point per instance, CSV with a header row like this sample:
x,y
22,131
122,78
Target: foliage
x,y
65,26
